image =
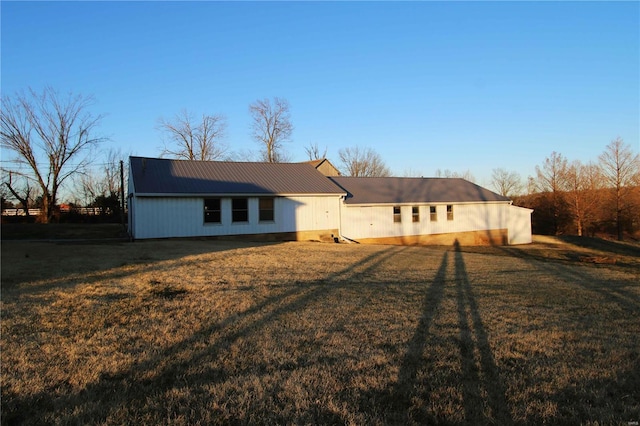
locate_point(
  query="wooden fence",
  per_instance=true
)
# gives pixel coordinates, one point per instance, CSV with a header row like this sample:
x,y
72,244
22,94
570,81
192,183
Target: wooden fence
x,y
89,211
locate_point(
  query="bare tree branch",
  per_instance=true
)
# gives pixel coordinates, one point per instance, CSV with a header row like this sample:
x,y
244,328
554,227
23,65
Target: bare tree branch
x,y
271,127
24,195
552,178
620,169
446,173
584,182
362,163
313,152
194,140
47,131
506,183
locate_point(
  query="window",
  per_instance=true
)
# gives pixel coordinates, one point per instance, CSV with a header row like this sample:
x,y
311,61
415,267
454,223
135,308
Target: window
x,y
449,212
433,214
240,210
415,213
397,217
212,210
266,209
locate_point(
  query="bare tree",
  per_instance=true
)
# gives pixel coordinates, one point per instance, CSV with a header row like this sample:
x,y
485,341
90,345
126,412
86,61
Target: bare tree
x,y
409,172
23,192
102,182
51,135
506,183
584,182
194,140
359,162
466,175
552,179
271,127
313,152
532,186
620,168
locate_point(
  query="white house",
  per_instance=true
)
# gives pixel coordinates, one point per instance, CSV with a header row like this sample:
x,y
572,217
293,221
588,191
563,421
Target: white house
x,y
295,201
178,198
392,210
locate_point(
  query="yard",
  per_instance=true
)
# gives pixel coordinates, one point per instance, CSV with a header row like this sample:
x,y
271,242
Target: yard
x,y
215,332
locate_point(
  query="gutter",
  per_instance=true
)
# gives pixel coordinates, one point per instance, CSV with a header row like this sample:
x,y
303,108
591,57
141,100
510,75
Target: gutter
x,y
342,237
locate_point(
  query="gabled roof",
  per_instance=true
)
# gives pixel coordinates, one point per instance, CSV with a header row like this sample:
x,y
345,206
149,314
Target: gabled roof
x,y
397,190
315,163
325,167
156,176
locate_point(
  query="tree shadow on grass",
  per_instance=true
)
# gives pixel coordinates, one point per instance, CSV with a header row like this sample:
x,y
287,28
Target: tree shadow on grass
x,y
483,389
612,396
400,411
32,268
613,247
585,276
168,368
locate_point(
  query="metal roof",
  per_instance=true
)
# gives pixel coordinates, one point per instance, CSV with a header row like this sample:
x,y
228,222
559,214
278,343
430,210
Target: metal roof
x,y
396,190
156,176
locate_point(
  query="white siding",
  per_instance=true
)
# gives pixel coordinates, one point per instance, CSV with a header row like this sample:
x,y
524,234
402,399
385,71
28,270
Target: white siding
x,y
163,217
377,221
519,225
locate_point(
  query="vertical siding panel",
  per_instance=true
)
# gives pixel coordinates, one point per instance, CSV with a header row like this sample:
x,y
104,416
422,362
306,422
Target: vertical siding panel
x,y
519,225
184,217
359,222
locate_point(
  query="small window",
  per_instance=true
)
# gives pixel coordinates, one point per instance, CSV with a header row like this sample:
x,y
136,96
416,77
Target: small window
x,y
212,210
433,214
449,212
266,209
397,217
415,213
240,210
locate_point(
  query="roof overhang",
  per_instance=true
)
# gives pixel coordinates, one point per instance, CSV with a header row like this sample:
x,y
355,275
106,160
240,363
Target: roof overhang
x,y
227,194
426,203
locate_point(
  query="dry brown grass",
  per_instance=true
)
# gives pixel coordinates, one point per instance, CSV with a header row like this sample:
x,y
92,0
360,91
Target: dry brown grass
x,y
201,332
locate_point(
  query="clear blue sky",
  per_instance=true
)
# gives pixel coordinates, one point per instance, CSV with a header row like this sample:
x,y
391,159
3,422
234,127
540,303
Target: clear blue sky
x,y
428,85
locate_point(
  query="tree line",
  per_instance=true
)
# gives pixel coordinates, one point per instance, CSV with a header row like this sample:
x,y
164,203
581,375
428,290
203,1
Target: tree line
x,y
54,141
594,198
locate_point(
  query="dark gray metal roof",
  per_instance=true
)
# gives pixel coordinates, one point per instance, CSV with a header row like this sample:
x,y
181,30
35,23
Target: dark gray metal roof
x,y
396,190
181,177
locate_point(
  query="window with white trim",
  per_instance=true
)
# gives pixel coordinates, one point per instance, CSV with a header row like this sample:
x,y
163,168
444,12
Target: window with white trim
x,y
397,216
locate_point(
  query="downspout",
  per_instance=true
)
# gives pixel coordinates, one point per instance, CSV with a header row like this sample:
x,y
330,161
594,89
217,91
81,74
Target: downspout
x,y
131,218
342,237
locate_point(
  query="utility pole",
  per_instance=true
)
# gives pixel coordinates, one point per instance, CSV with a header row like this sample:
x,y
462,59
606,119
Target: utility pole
x,y
122,194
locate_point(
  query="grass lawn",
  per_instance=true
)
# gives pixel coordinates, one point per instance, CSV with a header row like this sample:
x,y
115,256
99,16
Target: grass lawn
x,y
215,332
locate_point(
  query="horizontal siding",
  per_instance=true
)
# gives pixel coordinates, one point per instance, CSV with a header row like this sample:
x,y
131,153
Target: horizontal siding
x,y
165,217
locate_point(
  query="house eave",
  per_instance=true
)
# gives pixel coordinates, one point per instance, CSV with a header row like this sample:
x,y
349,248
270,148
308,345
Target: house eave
x,y
229,194
425,203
